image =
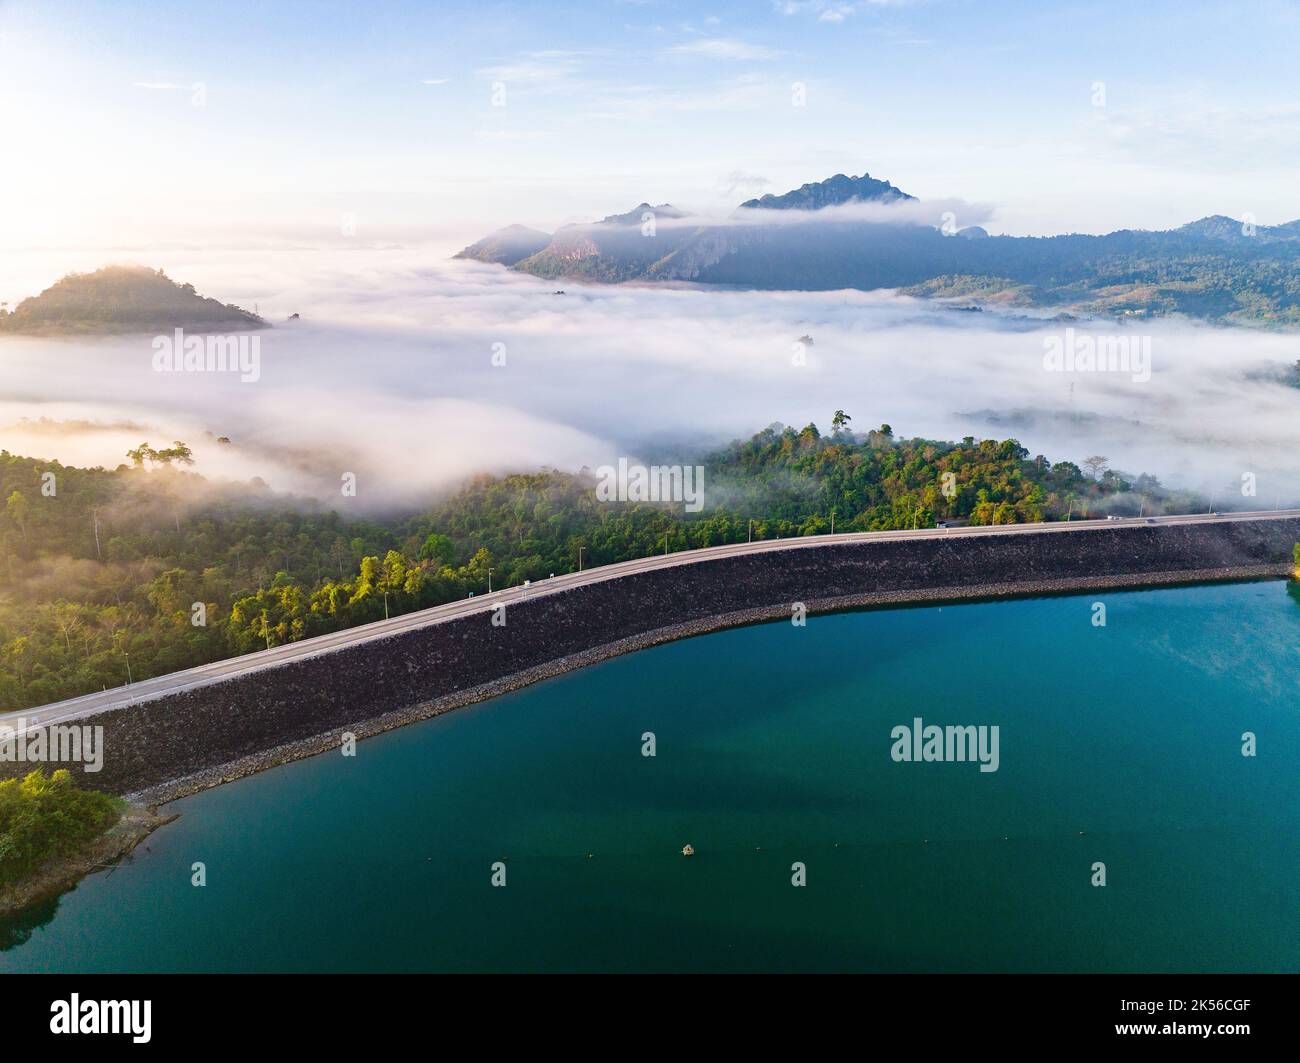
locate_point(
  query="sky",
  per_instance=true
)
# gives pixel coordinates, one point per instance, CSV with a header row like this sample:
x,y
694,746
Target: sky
x,y
142,124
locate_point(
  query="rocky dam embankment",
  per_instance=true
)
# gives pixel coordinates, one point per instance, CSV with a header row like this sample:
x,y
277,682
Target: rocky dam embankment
x,y
177,742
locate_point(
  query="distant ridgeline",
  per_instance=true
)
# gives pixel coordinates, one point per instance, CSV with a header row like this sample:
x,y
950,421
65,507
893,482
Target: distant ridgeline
x,y
1216,268
123,299
156,569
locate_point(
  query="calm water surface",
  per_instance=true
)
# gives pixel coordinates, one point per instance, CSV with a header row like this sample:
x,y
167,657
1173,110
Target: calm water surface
x,y
1119,744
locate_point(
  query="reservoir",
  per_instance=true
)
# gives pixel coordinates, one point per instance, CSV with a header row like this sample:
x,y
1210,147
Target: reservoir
x,y
1118,745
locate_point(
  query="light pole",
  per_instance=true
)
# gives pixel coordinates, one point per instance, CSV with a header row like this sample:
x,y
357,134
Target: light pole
x,y
751,529
665,544
489,581
580,550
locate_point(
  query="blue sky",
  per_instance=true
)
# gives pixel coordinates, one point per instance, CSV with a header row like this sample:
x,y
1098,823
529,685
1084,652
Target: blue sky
x,y
384,112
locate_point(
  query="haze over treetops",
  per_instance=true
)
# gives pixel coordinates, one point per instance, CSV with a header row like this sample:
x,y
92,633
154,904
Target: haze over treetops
x,y
107,578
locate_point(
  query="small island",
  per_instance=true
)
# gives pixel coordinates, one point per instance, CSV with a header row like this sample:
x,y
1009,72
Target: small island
x,y
122,299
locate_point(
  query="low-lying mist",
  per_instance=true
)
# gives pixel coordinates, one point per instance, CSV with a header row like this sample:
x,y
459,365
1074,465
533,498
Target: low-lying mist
x,y
411,371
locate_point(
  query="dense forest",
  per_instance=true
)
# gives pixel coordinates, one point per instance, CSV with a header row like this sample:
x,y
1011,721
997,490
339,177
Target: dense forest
x,y
110,576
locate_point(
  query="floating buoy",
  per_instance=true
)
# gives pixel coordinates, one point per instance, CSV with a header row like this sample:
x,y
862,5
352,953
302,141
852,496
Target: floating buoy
x,y
688,850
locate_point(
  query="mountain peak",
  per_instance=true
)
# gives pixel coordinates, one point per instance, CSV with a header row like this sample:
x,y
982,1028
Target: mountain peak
x,y
833,192
1221,227
506,246
636,215
1216,226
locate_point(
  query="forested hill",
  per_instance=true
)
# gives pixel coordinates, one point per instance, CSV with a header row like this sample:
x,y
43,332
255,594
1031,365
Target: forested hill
x,y
122,299
106,576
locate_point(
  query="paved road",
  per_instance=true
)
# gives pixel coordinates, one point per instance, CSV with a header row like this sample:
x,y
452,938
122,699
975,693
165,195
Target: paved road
x,y
148,689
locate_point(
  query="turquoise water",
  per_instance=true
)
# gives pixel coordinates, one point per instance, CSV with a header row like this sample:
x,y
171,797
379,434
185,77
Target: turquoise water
x,y
1119,744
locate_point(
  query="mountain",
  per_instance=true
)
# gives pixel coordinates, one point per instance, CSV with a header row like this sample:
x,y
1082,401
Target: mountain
x,y
665,243
123,299
833,192
1218,227
617,248
507,246
1217,268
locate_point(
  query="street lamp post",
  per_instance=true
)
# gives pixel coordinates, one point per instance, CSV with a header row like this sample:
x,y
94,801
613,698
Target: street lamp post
x,y
580,550
489,581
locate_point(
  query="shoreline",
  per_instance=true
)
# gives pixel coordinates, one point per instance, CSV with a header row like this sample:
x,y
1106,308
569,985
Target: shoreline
x,y
58,876
275,756
143,814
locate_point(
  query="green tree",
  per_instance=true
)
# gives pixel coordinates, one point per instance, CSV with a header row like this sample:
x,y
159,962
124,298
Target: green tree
x,y
43,817
16,512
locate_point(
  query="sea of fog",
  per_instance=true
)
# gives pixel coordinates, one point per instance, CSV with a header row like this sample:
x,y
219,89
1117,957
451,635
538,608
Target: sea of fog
x,y
394,373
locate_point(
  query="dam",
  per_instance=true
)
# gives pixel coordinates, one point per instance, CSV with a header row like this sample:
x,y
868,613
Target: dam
x,y
181,733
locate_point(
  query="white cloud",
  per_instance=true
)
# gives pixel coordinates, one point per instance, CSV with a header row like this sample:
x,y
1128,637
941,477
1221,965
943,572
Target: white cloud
x,y
741,93
1188,131
510,134
722,48
831,11
389,375
931,212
